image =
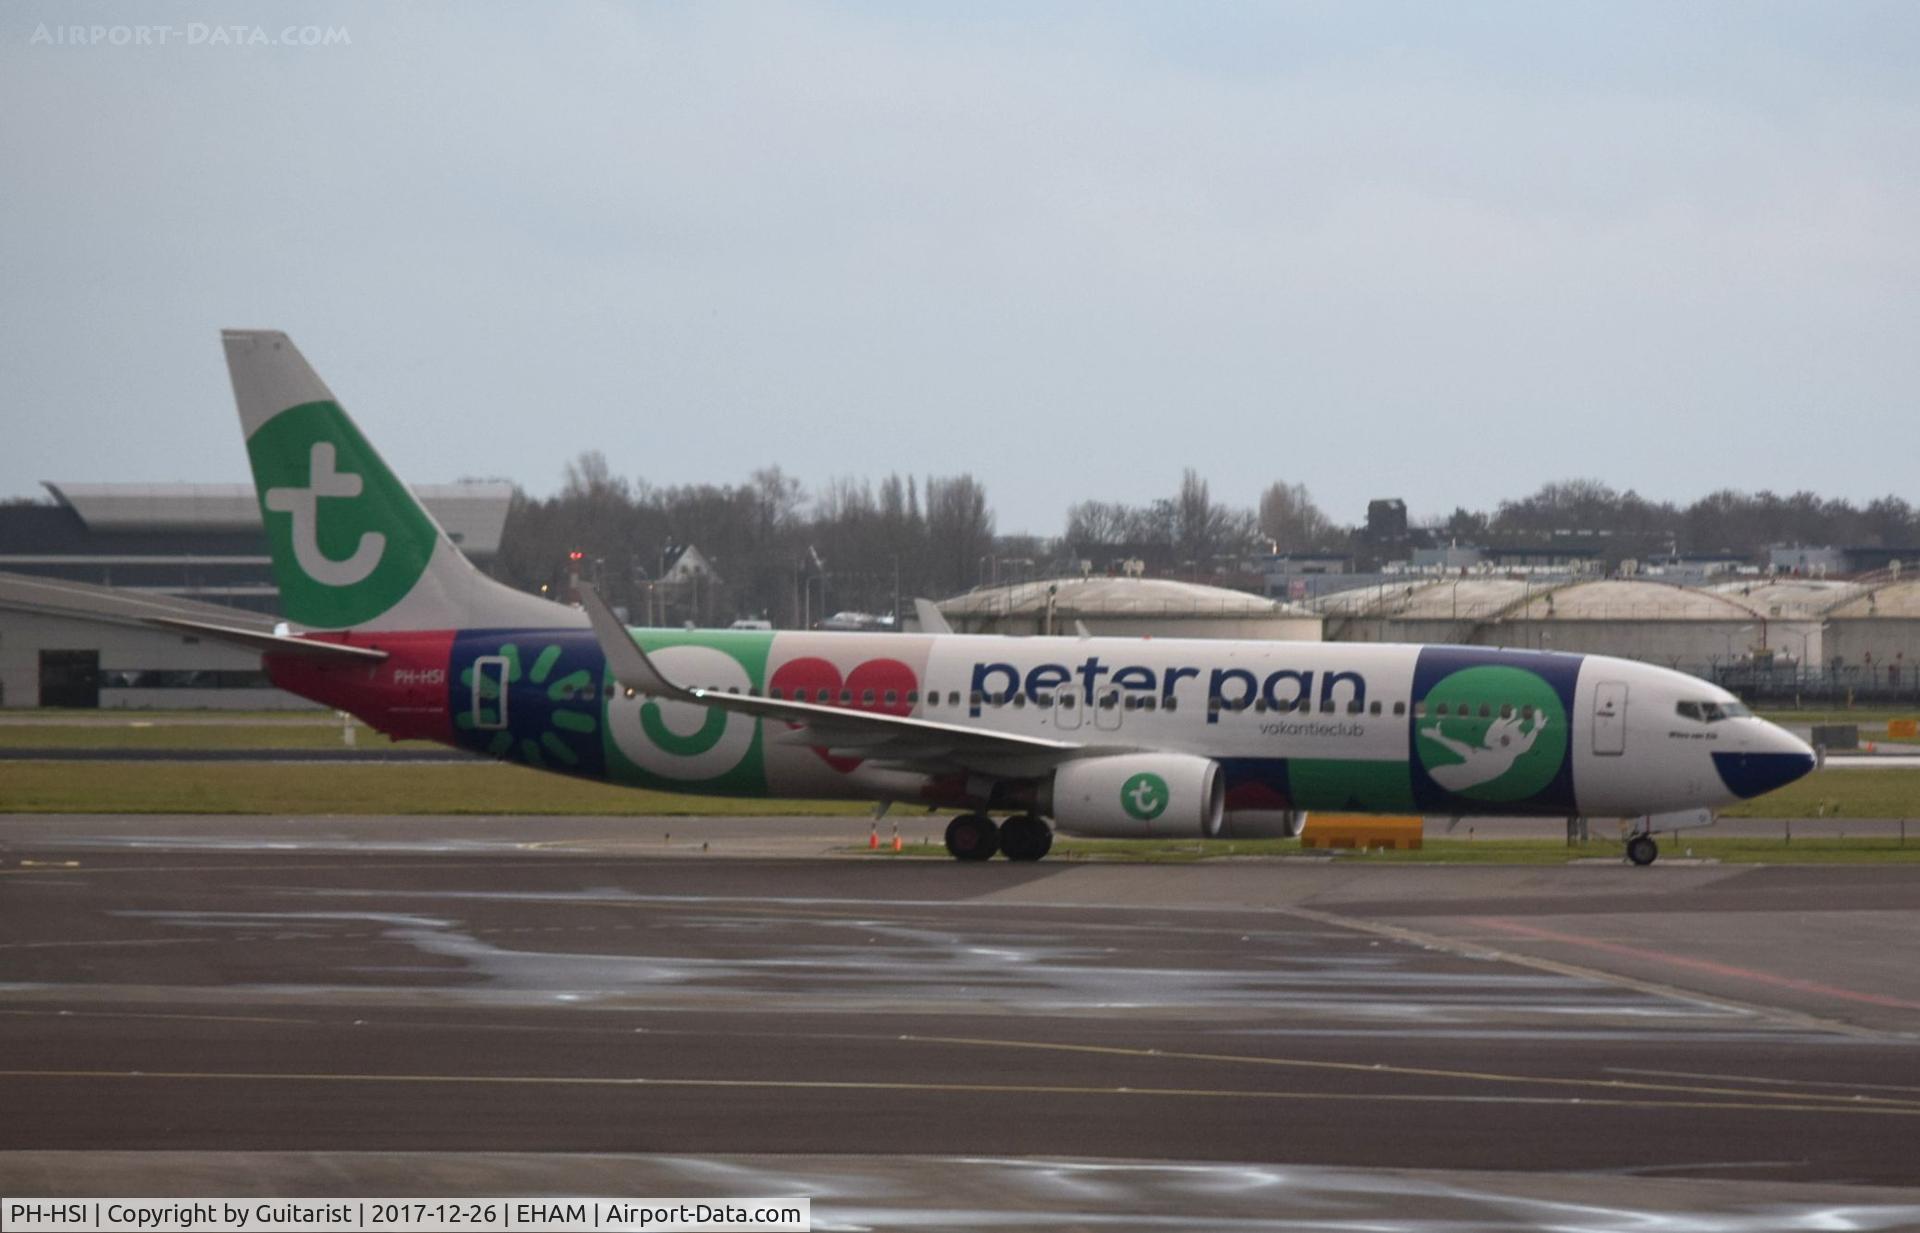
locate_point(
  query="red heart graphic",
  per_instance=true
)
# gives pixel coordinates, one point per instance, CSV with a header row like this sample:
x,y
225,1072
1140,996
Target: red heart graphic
x,y
801,680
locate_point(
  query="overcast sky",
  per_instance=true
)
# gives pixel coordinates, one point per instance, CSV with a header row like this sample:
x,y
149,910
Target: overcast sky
x,y
1440,251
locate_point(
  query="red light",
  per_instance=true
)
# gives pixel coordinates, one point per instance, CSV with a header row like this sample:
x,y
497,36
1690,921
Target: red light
x,y
575,556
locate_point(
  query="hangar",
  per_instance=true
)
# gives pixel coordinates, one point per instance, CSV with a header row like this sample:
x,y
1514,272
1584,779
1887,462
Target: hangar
x,y
1687,628
1150,607
1873,638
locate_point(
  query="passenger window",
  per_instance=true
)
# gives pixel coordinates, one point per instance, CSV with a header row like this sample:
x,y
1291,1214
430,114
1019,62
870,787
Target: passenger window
x,y
977,697
1486,712
1066,702
1441,710
1326,706
1019,702
1374,708
893,696
1526,712
1353,708
1419,710
846,696
1213,705
1506,710
1173,704
953,697
913,695
823,696
774,694
866,697
1399,708
1146,703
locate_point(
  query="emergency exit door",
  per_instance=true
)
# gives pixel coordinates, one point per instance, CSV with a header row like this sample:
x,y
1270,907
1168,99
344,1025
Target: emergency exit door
x,y
1610,718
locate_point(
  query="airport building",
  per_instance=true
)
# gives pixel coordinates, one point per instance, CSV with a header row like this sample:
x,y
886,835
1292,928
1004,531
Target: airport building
x,y
79,574
1151,607
1678,627
1874,636
1762,636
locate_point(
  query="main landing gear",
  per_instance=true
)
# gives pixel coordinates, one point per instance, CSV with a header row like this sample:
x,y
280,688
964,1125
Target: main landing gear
x,y
975,837
1642,850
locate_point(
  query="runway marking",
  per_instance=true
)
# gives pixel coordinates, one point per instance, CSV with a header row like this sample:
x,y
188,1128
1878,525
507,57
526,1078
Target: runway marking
x,y
154,1014
1475,949
1708,966
1422,1072
107,942
1777,1105
1688,1074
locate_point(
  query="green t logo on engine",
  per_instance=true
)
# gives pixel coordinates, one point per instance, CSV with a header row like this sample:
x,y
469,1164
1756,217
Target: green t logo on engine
x,y
1144,796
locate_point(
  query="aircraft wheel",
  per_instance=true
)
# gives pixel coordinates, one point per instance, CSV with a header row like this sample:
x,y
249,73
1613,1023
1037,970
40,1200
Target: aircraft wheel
x,y
973,837
1025,838
1642,850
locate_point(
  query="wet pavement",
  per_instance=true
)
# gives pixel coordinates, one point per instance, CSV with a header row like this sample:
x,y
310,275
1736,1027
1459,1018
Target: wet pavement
x,y
587,1008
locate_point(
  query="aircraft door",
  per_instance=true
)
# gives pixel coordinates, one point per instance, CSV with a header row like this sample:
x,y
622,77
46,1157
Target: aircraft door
x,y
490,674
1106,711
1610,718
1066,708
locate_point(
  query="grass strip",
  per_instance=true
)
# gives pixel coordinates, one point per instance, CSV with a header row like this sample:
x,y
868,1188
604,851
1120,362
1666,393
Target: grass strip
x,y
355,788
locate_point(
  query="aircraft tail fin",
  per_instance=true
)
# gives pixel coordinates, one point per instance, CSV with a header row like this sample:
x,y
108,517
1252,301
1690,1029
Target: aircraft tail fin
x,y
352,547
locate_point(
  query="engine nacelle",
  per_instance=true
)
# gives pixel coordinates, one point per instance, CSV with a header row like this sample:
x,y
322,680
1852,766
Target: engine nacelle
x,y
1138,796
1262,824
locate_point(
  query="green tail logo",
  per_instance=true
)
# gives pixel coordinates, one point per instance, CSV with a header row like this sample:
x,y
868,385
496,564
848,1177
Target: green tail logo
x,y
347,540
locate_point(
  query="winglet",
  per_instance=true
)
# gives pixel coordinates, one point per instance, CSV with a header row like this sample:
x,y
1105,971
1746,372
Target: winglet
x,y
629,663
932,620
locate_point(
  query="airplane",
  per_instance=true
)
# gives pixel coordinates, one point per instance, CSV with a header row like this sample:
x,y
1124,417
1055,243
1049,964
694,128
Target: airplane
x,y
1093,736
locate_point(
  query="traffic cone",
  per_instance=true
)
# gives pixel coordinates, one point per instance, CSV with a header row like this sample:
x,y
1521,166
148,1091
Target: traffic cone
x,y
896,838
873,838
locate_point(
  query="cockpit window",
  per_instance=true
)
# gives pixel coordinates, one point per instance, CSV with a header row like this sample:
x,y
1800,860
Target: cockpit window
x,y
1711,712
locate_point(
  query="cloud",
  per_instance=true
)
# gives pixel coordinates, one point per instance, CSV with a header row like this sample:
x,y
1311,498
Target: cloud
x,y
1071,251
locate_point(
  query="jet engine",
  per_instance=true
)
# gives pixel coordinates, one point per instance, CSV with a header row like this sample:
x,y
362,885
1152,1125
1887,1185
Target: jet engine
x,y
1261,824
1138,796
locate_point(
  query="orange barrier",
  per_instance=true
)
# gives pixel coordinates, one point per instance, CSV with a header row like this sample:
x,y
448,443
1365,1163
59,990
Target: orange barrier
x,y
1903,729
1362,830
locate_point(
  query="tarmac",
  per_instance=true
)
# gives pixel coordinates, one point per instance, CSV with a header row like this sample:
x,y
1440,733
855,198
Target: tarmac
x,y
738,1007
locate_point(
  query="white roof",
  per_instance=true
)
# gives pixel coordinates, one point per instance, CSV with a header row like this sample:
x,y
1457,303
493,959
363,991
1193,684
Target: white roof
x,y
1513,599
1626,599
1900,600
1791,599
475,515
1445,599
1116,597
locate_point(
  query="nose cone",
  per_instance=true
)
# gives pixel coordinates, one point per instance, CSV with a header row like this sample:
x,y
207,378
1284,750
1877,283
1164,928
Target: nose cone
x,y
1776,760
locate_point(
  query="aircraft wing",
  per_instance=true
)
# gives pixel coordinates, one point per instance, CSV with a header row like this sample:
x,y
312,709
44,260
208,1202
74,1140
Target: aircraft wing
x,y
890,738
282,644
